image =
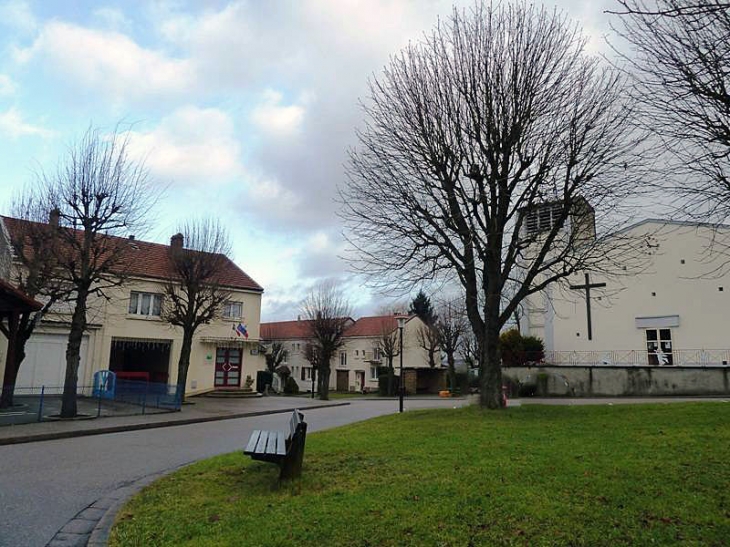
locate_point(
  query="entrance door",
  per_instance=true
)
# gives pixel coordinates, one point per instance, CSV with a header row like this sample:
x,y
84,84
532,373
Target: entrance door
x,y
227,367
343,377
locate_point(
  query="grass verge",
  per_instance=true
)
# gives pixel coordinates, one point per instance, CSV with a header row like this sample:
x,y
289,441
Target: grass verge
x,y
534,475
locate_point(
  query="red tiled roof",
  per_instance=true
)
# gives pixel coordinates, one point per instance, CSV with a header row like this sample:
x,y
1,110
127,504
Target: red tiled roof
x,y
365,326
285,330
152,260
374,326
12,299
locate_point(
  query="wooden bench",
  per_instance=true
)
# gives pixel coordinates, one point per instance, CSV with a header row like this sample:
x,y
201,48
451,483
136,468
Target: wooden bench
x,y
275,447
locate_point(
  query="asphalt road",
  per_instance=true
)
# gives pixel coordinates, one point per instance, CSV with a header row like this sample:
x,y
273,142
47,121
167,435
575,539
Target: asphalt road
x,y
45,484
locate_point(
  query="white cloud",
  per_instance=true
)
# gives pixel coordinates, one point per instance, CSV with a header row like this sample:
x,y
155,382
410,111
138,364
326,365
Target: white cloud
x,y
7,85
112,18
276,119
12,124
191,146
107,60
17,14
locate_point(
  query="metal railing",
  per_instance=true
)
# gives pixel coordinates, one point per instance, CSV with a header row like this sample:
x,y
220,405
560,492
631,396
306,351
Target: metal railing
x,y
677,357
43,403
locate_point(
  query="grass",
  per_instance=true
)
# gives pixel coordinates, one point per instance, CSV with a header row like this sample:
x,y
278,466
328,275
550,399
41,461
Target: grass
x,y
535,475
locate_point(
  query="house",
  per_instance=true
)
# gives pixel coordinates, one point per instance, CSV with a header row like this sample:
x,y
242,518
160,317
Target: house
x,y
355,367
674,313
126,333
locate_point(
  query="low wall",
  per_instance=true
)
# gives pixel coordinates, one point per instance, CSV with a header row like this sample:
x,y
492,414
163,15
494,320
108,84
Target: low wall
x,y
609,380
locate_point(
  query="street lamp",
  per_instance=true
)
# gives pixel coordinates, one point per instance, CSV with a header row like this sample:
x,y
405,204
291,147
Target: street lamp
x,y
401,384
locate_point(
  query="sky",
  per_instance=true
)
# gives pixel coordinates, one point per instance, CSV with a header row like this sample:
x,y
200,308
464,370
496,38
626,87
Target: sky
x,y
241,110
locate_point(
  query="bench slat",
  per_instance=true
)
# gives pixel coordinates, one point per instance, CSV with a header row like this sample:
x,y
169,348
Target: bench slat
x,y
271,443
251,446
281,444
261,445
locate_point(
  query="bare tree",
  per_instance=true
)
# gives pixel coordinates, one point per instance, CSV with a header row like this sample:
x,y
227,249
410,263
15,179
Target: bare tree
x,y
311,354
450,327
328,312
96,194
679,61
33,242
195,291
483,144
389,347
428,339
275,354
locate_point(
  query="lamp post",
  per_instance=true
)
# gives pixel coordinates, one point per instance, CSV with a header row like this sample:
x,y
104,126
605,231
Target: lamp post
x,y
401,384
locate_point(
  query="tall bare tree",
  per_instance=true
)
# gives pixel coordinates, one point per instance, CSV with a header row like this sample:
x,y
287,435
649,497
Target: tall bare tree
x,y
195,291
482,145
389,347
33,241
274,355
328,312
96,194
450,327
679,59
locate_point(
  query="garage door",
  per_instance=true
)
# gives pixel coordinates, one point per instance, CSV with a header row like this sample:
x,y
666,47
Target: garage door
x,y
45,362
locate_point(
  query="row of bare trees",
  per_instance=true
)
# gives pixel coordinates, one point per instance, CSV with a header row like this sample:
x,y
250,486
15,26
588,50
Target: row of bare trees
x,y
498,153
72,252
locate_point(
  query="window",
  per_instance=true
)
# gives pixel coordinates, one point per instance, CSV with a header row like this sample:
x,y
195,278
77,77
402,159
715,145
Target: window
x,y
356,352
659,346
343,358
285,356
145,303
376,353
233,310
542,218
306,373
373,373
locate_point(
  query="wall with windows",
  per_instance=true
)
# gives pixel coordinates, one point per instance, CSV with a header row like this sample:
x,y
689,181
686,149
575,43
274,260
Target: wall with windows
x,y
680,303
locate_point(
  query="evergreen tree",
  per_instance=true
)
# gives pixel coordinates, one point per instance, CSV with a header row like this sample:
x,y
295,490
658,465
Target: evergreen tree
x,y
421,306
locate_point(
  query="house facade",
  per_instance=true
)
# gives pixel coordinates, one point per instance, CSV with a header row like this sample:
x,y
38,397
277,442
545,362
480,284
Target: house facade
x,y
127,334
355,367
673,313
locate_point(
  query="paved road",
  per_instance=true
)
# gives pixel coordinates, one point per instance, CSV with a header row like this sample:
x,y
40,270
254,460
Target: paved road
x,y
43,485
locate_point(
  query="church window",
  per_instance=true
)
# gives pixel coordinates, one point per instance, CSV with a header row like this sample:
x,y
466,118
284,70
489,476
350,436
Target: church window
x,y
659,346
542,218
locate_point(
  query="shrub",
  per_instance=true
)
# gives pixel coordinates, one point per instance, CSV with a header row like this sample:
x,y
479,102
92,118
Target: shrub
x,y
384,374
290,386
518,350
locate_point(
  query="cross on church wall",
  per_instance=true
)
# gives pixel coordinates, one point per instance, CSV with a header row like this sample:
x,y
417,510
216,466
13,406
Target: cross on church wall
x,y
587,288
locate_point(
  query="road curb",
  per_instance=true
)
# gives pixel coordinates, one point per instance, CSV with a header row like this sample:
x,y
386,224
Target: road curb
x,y
38,437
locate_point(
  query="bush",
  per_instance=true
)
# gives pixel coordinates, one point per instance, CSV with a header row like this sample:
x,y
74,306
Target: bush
x,y
290,386
518,350
384,374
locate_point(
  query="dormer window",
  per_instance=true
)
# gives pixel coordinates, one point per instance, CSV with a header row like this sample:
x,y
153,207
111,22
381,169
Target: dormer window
x,y
233,310
145,304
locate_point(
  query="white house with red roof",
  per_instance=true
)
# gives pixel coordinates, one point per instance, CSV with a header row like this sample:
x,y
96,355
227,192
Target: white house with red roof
x,y
355,367
127,335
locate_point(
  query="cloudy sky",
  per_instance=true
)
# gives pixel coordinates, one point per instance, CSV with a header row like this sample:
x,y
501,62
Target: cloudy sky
x,y
242,109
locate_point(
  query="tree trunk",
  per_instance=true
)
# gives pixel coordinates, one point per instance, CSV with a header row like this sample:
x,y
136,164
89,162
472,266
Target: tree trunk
x,y
184,363
452,370
69,408
391,377
324,388
491,367
11,362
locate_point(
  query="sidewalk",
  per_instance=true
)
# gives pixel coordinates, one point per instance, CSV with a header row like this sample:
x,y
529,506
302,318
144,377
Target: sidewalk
x,y
204,409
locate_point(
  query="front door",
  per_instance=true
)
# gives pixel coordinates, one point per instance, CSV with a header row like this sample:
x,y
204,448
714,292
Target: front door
x,y
343,379
227,367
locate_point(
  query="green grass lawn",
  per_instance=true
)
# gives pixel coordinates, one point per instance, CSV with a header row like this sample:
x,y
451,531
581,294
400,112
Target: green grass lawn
x,y
535,475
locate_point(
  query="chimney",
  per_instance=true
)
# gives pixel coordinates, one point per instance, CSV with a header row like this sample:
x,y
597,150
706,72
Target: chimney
x,y
299,317
131,237
54,216
176,241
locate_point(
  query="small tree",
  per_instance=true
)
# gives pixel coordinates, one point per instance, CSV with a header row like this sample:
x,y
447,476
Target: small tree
x,y
389,347
328,312
428,340
32,240
194,293
97,193
450,327
275,354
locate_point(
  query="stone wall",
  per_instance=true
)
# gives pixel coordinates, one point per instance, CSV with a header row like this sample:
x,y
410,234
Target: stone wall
x,y
606,380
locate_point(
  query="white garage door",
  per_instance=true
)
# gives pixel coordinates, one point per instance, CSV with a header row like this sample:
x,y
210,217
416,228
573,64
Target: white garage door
x,y
45,362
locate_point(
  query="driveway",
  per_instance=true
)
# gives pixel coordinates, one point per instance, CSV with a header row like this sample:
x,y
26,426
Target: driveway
x,y
44,484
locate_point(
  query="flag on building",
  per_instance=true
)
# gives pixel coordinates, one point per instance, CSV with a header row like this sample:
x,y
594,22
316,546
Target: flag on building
x,y
241,330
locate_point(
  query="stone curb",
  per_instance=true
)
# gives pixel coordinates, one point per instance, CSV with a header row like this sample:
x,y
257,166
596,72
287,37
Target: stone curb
x,y
31,438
